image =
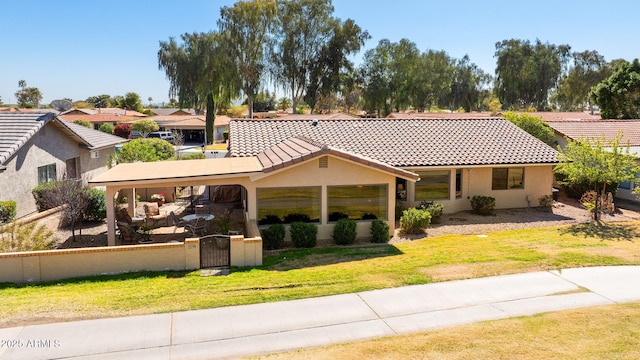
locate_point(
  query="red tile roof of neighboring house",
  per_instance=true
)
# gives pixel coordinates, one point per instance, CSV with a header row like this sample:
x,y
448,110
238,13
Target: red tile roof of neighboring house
x,y
440,115
336,116
575,130
298,149
566,116
401,142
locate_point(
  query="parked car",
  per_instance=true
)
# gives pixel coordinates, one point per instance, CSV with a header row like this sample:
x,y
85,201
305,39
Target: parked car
x,y
164,135
135,135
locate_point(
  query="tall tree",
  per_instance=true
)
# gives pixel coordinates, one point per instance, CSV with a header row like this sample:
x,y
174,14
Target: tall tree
x,y
526,73
466,86
333,69
618,96
376,74
589,68
28,97
303,29
246,28
432,79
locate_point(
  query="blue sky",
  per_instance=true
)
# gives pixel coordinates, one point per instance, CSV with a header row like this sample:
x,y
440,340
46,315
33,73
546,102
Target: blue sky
x,y
78,49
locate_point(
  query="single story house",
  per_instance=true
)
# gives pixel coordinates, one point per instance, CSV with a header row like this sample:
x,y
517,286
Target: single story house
x,y
603,129
39,147
363,168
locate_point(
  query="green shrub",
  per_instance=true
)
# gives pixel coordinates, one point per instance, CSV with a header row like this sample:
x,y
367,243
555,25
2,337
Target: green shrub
x,y
84,123
97,208
483,205
106,128
192,156
270,219
7,211
379,231
344,232
434,208
25,237
41,193
546,203
303,235
273,236
296,217
414,221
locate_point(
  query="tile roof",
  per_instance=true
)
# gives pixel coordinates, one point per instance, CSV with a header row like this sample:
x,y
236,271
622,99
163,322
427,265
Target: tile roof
x,y
440,115
549,116
172,111
16,129
298,149
99,118
597,129
316,116
401,142
93,139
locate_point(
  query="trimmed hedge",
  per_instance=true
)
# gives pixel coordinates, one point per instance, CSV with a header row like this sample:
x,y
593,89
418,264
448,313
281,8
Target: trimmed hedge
x,y
40,194
273,236
344,232
483,205
414,221
303,235
379,231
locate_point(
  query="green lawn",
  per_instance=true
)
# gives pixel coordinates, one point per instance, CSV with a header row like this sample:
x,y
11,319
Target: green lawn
x,y
295,274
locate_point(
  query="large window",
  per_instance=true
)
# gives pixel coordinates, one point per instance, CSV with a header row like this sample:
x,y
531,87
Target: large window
x,y
433,185
362,202
289,204
507,178
46,173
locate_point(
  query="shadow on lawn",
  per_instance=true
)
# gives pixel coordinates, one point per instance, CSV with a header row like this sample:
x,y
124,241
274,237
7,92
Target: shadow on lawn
x,y
101,278
305,258
604,231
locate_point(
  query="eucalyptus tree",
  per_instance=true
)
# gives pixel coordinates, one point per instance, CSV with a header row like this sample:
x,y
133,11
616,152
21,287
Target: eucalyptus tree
x,y
246,29
589,68
432,79
526,73
376,76
99,101
467,85
199,72
332,72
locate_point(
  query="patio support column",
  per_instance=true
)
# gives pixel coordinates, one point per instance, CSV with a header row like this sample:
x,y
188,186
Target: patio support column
x,y
111,218
131,203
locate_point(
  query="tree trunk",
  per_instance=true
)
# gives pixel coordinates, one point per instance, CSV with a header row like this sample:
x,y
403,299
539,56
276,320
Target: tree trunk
x,y
250,105
210,119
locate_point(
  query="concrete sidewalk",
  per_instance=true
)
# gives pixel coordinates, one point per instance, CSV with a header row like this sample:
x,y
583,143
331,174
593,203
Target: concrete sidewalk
x,y
273,327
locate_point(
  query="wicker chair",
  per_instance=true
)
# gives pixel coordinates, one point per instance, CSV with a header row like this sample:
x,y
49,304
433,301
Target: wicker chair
x,y
153,215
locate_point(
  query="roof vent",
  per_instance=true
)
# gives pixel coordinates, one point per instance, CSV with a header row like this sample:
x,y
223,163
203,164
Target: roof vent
x,y
314,122
323,162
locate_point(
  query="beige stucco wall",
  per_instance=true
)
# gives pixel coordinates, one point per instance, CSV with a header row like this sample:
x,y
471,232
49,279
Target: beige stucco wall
x,y
63,264
339,172
49,146
538,181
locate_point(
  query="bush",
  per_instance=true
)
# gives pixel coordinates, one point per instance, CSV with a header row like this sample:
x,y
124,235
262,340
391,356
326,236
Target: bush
x,y
106,128
337,215
414,221
7,211
273,236
97,204
303,235
546,203
270,219
296,217
379,231
42,193
483,205
123,130
145,150
84,123
344,232
26,237
434,208
192,156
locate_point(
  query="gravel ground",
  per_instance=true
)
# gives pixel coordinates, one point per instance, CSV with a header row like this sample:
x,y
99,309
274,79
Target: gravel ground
x,y
565,212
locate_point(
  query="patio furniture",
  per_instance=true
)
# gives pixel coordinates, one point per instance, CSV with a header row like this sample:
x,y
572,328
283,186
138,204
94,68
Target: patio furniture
x,y
176,222
152,212
197,226
129,233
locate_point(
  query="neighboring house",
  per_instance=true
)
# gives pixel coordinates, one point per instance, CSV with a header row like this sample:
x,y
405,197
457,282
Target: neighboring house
x,y
598,130
39,147
172,111
193,126
439,115
104,111
97,120
359,167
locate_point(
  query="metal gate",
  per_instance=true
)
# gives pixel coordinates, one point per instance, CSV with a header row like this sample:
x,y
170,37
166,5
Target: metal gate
x,y
214,251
